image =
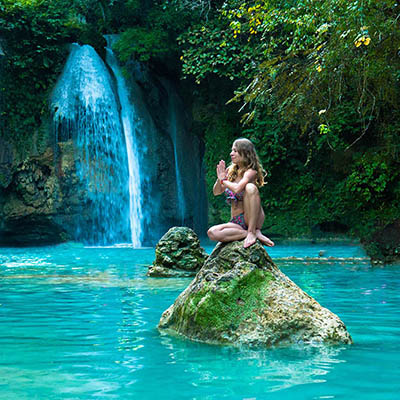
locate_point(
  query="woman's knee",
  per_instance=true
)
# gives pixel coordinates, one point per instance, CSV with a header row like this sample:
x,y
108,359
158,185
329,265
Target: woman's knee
x,y
251,189
212,233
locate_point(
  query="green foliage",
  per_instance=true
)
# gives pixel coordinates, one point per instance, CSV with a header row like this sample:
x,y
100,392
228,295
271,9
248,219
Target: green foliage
x,y
154,34
369,180
303,57
210,49
35,35
32,43
141,43
319,81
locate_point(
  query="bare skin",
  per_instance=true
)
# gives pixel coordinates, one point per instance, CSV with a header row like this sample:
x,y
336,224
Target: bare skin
x,y
254,217
250,207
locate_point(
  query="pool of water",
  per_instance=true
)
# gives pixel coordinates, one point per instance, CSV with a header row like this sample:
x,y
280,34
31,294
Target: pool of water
x,y
80,323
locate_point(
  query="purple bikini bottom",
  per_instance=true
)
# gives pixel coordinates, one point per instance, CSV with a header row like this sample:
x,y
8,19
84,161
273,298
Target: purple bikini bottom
x,y
239,219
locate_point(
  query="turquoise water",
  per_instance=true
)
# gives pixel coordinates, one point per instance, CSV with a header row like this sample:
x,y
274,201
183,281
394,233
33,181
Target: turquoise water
x,y
80,323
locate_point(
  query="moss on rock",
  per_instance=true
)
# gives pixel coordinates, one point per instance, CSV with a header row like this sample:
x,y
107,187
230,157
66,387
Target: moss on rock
x,y
234,303
241,297
178,253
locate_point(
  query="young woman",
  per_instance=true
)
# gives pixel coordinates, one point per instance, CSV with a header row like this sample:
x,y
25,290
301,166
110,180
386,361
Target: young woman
x,y
240,183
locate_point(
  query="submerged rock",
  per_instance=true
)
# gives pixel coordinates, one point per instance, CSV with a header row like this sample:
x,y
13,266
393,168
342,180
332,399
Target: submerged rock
x,y
178,253
241,297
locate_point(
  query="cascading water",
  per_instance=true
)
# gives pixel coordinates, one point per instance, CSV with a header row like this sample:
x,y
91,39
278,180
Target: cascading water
x,y
174,125
130,123
86,110
127,196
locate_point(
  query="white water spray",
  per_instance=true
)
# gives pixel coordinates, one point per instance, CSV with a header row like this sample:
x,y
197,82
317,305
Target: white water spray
x,y
86,110
130,123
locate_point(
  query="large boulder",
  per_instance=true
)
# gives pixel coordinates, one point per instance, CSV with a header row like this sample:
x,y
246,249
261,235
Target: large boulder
x,y
241,297
178,253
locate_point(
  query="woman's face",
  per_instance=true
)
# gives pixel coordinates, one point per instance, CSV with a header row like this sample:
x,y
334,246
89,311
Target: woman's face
x,y
235,156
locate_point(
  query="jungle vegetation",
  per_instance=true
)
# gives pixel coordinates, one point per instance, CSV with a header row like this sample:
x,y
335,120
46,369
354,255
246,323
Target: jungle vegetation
x,y
313,83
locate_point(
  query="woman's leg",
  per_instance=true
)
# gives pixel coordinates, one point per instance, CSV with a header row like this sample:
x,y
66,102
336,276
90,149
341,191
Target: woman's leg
x,y
262,238
251,205
254,216
226,232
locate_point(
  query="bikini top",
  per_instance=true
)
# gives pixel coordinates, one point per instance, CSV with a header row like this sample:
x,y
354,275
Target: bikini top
x,y
232,196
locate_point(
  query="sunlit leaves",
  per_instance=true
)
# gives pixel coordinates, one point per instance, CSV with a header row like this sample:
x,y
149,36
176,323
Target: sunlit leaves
x,y
300,55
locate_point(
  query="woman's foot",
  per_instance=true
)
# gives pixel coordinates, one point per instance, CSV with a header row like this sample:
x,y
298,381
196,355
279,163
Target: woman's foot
x,y
250,240
263,239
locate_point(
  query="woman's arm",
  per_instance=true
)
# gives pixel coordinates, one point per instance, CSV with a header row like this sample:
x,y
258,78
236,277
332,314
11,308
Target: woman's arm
x,y
237,187
218,187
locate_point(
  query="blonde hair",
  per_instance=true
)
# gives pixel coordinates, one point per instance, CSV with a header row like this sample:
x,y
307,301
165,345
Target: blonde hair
x,y
246,149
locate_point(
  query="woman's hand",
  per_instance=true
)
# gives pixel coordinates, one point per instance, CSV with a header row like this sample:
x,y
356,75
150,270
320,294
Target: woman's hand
x,y
218,187
221,170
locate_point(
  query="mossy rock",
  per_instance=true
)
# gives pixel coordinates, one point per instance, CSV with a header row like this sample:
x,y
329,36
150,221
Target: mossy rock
x,y
240,297
178,253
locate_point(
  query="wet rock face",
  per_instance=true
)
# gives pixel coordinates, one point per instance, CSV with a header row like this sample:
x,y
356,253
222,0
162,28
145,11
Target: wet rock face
x,y
40,203
28,202
240,297
6,163
384,245
178,253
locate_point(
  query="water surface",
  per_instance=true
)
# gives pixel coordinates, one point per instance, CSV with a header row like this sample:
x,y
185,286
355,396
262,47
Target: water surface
x,y
80,323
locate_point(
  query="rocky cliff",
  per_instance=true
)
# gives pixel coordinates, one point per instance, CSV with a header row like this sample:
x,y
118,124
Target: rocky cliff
x,y
40,199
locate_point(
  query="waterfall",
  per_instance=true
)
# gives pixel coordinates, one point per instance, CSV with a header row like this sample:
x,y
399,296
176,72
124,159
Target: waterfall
x,y
86,109
131,123
174,125
134,151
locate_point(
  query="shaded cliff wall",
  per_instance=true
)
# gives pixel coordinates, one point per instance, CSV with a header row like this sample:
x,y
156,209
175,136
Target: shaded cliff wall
x,y
40,202
153,96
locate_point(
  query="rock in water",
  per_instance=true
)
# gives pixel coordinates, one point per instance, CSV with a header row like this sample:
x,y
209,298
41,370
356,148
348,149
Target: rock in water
x,y
178,253
241,297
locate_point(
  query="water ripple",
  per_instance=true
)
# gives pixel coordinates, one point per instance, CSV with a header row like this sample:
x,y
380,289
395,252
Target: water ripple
x,y
80,323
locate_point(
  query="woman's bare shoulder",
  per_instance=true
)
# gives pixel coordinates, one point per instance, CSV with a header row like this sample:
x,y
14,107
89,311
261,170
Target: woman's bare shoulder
x,y
250,174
